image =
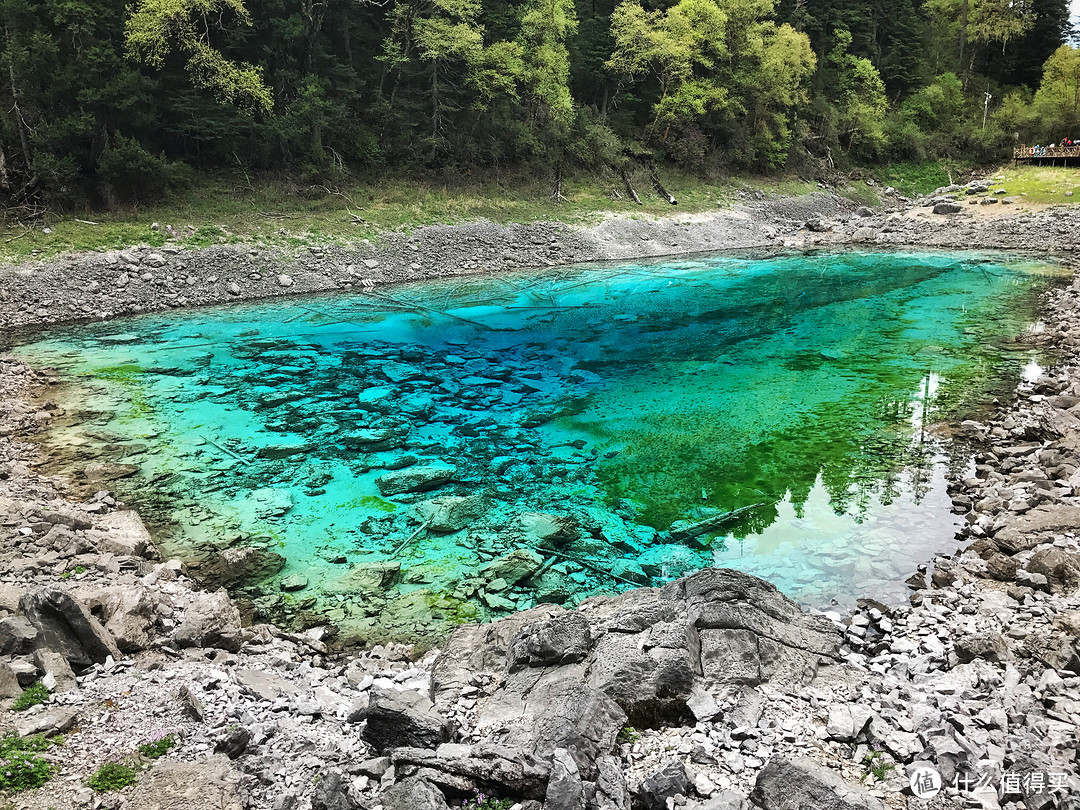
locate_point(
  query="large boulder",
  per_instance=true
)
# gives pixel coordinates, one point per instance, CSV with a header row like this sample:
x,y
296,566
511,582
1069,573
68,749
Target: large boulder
x,y
798,784
670,781
210,620
1060,567
334,792
570,680
123,533
414,793
17,635
130,615
66,626
402,718
483,768
1023,532
208,784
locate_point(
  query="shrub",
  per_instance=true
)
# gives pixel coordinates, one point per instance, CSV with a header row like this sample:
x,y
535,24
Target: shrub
x,y
157,748
31,696
112,776
20,766
130,172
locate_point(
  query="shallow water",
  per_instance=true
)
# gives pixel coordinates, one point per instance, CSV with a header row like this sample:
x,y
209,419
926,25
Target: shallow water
x,y
630,399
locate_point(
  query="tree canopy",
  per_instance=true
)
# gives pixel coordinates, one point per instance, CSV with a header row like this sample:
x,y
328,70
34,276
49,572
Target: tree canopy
x,y
107,102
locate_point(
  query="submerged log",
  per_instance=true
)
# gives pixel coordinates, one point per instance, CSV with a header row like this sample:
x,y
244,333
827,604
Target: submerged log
x,y
689,532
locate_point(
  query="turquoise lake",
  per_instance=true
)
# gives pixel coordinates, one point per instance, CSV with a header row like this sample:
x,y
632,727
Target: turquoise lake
x,y
435,452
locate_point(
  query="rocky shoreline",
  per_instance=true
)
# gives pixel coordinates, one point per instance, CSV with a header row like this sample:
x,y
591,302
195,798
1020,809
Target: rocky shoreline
x,y
713,692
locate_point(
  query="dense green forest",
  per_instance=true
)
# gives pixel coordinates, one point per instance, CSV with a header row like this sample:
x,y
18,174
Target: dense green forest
x,y
109,101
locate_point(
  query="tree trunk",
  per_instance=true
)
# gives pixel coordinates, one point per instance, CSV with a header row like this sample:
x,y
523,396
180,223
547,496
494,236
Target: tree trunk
x,y
963,30
557,190
16,94
434,108
630,186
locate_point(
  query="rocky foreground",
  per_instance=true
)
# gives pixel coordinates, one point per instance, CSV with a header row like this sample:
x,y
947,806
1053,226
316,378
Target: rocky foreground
x,y
715,691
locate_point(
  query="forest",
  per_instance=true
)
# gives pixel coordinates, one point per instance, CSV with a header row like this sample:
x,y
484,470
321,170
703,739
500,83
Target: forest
x,y
110,101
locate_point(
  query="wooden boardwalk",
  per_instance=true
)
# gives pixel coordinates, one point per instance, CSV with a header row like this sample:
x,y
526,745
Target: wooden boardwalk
x,y
1047,156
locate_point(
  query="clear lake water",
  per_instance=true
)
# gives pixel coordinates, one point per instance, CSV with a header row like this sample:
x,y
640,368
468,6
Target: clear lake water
x,y
401,447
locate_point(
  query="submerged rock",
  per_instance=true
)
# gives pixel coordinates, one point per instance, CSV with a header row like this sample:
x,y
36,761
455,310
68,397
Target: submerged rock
x,y
294,582
556,529
414,479
450,513
108,471
243,566
513,567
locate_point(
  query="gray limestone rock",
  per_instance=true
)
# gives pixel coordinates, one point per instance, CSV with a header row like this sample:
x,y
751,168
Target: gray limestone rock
x,y
211,620
17,635
564,638
66,626
670,781
1061,569
131,614
51,663
800,784
207,784
47,720
333,792
565,790
486,767
234,743
403,718
642,654
1028,530
987,645
413,794
9,682
846,721
611,790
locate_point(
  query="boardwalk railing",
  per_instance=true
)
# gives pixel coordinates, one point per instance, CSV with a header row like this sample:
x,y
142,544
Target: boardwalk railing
x,y
1024,152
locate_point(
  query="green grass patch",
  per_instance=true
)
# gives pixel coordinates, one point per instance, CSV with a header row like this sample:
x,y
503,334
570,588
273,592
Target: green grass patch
x,y
1039,184
32,696
917,179
157,748
21,766
279,213
112,776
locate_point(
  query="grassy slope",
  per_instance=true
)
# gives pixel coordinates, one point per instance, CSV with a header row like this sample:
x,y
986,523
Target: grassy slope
x,y
224,210
278,213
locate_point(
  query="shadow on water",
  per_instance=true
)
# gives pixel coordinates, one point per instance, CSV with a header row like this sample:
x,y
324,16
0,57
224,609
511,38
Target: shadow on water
x,y
401,448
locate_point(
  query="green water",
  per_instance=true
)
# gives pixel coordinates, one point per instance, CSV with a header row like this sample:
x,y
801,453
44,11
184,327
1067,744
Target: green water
x,y
619,401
